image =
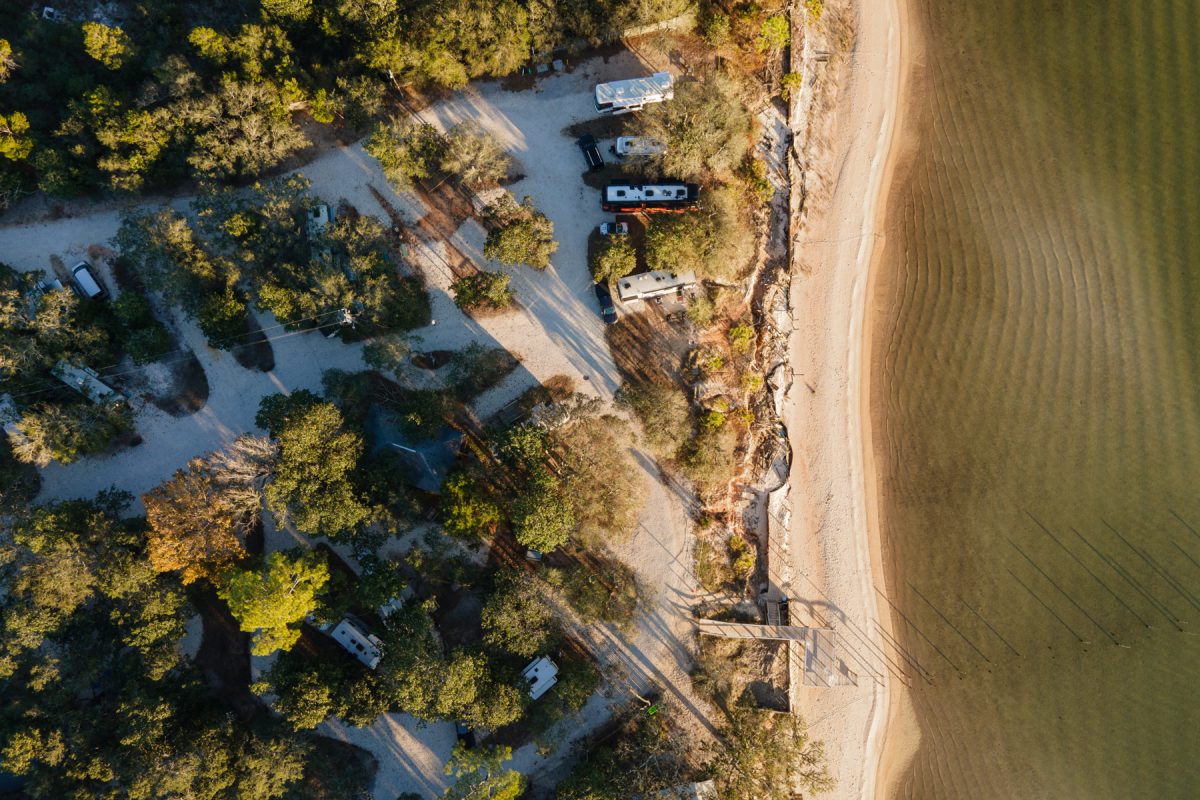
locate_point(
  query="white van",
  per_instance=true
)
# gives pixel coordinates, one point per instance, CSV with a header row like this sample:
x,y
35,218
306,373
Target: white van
x,y
86,283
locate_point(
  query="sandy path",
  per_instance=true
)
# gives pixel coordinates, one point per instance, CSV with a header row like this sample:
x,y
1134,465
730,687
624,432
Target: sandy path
x,y
833,531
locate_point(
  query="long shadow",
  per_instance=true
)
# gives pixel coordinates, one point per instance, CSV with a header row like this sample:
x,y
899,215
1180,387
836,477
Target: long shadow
x,y
946,620
1060,590
1150,562
920,633
1046,606
1161,607
1087,569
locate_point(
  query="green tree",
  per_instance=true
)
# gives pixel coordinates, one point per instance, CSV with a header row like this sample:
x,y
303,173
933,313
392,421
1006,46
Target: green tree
x,y
242,130
270,602
519,234
543,516
711,241
108,45
605,488
288,11
663,410
706,128
163,250
15,142
407,151
614,258
466,509
774,35
516,617
475,156
483,290
312,486
8,64
479,774
66,433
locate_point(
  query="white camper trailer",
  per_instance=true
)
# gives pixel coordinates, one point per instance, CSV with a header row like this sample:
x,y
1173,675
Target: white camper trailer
x,y
621,97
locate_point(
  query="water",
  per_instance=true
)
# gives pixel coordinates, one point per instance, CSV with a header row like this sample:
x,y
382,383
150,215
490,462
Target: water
x,y
1037,357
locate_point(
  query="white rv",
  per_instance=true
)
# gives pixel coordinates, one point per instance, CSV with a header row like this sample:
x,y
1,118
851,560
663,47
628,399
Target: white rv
x,y
621,97
628,146
358,642
542,673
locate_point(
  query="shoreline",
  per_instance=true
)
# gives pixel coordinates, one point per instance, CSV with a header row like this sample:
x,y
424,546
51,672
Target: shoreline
x,y
835,537
895,725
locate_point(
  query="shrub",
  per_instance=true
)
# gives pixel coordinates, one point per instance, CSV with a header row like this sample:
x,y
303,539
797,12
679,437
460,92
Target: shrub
x,y
483,290
741,338
65,434
774,35
701,310
790,85
148,344
715,27
708,458
663,411
754,173
614,258
604,590
223,319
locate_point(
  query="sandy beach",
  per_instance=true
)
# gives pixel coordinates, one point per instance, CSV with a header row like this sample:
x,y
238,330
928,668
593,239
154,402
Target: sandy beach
x,y
834,537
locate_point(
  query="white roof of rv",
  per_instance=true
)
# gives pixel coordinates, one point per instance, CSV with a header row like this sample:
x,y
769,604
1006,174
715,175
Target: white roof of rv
x,y
542,673
660,191
656,86
358,643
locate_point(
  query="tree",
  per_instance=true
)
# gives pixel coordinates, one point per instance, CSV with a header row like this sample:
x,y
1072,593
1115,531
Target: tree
x,y
706,128
516,617
8,64
769,756
66,433
193,528
543,516
711,240
614,258
483,290
519,234
277,411
243,129
15,142
271,601
312,486
479,777
475,156
466,509
293,11
774,35
108,45
163,251
407,151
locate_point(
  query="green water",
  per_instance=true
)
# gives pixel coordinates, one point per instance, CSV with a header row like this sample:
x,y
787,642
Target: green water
x,y
1037,359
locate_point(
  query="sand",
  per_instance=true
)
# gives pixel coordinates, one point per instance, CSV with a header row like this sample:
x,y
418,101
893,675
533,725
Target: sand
x,y
834,532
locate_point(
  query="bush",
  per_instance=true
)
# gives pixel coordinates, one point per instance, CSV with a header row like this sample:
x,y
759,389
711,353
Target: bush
x,y
148,344
475,156
741,338
701,310
754,173
663,411
483,290
543,516
614,258
66,433
708,458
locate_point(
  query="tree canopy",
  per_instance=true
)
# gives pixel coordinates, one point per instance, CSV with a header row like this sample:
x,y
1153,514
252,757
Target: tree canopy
x,y
270,602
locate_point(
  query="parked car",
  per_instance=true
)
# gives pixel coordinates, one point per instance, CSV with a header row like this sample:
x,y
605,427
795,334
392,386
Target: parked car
x,y
587,143
86,283
614,228
604,297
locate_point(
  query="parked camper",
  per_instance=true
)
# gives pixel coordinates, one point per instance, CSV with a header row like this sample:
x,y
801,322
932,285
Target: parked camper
x,y
542,673
621,97
86,283
358,642
628,146
630,198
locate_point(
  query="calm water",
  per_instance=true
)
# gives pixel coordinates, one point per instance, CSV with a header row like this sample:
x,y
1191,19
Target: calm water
x,y
1038,361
